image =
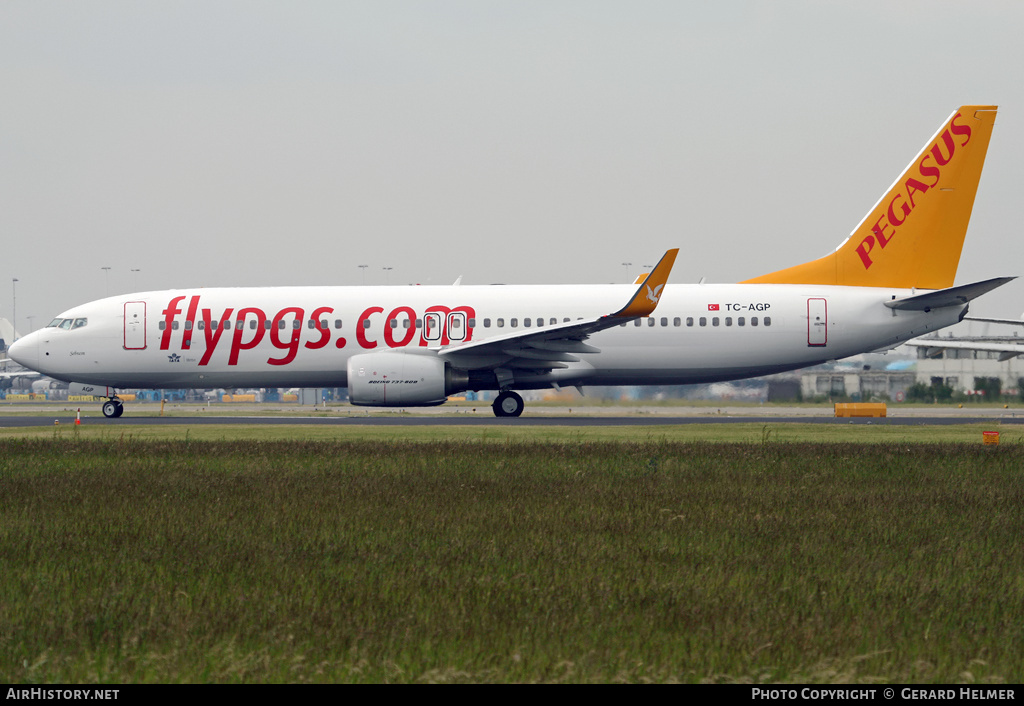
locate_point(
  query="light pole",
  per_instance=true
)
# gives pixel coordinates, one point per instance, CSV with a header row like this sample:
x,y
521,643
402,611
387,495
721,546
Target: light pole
x,y
30,322
106,273
627,265
14,309
136,271
363,268
387,275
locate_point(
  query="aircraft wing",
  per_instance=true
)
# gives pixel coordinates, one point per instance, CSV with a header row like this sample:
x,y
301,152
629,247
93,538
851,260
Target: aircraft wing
x,y
5,374
551,347
1005,350
20,374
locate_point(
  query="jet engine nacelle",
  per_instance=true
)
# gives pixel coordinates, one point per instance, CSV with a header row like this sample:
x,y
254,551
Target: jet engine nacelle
x,y
394,379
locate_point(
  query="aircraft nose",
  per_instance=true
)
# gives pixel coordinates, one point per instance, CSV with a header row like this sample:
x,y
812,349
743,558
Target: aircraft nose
x,y
25,351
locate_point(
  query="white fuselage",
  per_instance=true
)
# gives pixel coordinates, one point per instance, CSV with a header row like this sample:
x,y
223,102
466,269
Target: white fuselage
x,y
303,336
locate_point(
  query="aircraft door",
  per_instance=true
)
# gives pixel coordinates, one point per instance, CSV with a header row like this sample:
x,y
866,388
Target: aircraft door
x,y
135,326
817,322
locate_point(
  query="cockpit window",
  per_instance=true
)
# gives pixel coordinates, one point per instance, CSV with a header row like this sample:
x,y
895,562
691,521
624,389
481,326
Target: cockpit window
x,y
68,324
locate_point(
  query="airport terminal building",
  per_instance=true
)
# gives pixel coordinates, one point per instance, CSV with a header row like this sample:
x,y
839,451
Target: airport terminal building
x,y
961,370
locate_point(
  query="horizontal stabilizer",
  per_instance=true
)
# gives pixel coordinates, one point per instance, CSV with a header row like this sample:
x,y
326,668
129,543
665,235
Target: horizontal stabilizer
x,y
954,296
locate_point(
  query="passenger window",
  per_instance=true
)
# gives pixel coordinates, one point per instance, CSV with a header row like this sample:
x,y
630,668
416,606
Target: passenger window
x,y
753,321
472,323
337,323
162,326
500,323
174,326
703,321
513,322
406,323
664,321
650,321
296,323
554,321
767,321
714,321
487,323
676,321
393,323
728,321
689,321
252,324
188,325
741,321
526,322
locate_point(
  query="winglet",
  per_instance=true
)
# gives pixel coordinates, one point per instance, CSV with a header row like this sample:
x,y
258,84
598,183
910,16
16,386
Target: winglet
x,y
646,298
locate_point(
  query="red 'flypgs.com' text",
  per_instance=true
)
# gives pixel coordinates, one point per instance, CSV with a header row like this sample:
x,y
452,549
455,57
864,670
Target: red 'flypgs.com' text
x,y
249,326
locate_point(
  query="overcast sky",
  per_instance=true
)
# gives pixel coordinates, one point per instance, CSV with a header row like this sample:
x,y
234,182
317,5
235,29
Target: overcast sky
x,y
266,143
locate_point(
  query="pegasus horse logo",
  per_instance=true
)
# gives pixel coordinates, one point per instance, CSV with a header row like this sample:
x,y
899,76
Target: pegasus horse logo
x,y
654,294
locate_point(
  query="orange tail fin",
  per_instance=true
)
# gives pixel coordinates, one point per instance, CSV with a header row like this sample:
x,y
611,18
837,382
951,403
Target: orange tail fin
x,y
915,233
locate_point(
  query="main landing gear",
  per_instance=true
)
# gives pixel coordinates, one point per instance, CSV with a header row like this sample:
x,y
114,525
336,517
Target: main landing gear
x,y
508,404
113,408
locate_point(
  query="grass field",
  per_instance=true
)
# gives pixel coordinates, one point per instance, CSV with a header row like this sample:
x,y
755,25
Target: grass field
x,y
760,432
770,558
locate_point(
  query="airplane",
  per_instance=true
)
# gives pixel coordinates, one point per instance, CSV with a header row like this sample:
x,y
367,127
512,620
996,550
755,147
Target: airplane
x,y
6,374
890,281
1006,350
